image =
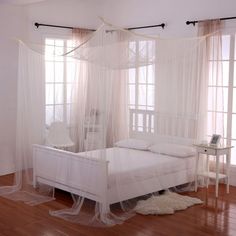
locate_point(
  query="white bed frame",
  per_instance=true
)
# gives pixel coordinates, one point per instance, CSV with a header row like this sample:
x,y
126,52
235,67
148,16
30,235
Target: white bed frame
x,y
59,169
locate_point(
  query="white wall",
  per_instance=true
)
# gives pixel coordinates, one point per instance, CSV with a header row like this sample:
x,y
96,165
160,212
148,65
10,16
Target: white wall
x,y
75,13
128,13
12,26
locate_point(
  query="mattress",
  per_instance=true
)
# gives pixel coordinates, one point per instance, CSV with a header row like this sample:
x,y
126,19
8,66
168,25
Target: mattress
x,y
130,165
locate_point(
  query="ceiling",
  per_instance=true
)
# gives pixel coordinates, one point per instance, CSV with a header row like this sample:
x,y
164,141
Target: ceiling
x,y
20,2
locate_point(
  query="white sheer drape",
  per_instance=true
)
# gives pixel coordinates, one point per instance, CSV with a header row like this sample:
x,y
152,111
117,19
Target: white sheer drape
x,y
30,127
214,63
181,88
100,112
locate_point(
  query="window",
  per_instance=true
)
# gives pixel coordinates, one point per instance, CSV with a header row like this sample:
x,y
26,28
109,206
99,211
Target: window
x,y
227,113
218,112
142,85
59,79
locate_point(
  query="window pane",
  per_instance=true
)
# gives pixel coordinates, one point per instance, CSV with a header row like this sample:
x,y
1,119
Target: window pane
x,y
225,73
150,75
233,152
59,72
49,71
59,113
140,120
217,123
142,95
218,70
132,94
151,50
59,51
132,51
225,97
215,44
142,46
49,115
217,99
140,129
70,73
49,41
70,43
150,95
59,42
59,94
143,74
234,126
49,53
49,93
132,75
212,73
225,47
132,46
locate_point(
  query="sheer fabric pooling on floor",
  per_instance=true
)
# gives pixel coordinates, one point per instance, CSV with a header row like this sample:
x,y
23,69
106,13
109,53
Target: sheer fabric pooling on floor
x,y
116,73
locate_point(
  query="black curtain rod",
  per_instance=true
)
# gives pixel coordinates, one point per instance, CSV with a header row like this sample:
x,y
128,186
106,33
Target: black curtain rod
x,y
58,26
132,28
147,26
196,21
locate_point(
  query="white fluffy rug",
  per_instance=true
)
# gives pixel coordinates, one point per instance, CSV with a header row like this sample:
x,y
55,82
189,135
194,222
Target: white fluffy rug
x,y
166,203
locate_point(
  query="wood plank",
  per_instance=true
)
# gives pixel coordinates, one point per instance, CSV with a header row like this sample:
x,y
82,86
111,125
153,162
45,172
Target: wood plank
x,y
213,217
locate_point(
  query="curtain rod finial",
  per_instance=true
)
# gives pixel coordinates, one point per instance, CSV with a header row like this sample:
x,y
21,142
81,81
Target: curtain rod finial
x,y
163,25
36,24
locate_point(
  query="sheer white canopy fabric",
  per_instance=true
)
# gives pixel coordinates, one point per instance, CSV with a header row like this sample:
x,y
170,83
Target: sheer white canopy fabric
x,y
123,85
216,95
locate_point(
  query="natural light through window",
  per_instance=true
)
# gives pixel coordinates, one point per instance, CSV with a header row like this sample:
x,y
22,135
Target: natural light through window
x,y
59,77
142,87
225,90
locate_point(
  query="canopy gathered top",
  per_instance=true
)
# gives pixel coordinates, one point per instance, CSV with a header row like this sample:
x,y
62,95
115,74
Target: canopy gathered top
x,y
119,85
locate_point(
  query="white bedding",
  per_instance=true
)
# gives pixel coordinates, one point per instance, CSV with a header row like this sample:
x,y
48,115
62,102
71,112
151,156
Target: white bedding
x,y
130,165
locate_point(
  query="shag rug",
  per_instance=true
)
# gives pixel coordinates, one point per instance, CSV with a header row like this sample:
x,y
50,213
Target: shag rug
x,y
166,203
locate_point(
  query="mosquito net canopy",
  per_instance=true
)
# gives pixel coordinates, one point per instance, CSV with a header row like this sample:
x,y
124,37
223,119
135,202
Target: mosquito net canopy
x,y
123,93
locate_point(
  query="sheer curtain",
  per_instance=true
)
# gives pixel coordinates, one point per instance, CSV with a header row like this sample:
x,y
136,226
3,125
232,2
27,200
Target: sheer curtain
x,y
181,88
86,118
79,91
212,31
99,116
30,127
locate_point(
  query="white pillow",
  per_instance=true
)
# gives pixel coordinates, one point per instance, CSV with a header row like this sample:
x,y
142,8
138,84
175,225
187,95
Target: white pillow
x,y
134,144
172,149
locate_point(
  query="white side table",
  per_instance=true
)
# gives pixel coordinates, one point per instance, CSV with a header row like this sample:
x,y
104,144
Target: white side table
x,y
215,151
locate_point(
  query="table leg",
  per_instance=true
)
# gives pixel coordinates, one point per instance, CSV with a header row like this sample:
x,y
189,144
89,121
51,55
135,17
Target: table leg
x,y
227,168
217,174
196,172
207,168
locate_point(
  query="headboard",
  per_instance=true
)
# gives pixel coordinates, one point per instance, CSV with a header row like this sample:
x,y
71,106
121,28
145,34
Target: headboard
x,y
142,125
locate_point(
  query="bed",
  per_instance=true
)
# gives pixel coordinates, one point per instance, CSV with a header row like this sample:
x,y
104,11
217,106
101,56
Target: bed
x,y
116,178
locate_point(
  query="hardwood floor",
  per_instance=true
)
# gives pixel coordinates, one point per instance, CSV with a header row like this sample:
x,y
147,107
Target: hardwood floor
x,y
214,217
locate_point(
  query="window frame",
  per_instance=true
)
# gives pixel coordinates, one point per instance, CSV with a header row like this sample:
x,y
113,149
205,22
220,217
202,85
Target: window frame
x,y
141,121
65,103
